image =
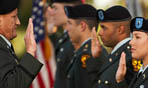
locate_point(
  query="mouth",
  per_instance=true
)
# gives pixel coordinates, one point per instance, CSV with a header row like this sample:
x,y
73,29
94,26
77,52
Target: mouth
x,y
132,49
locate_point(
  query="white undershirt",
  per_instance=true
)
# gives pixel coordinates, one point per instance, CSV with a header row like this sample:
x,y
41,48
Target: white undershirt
x,y
120,44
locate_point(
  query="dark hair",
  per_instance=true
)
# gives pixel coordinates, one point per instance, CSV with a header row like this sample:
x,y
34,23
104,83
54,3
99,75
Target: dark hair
x,y
89,21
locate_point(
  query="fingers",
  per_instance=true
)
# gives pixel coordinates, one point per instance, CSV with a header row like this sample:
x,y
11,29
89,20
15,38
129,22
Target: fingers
x,y
122,62
121,72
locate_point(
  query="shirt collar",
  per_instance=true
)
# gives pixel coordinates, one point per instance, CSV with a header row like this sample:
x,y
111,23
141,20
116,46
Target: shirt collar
x,y
142,69
120,44
6,40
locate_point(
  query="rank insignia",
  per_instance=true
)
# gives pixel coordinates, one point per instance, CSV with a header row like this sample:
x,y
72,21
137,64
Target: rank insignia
x,y
83,60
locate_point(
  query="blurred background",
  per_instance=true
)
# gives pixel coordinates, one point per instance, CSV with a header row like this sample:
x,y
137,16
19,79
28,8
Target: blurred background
x,y
136,7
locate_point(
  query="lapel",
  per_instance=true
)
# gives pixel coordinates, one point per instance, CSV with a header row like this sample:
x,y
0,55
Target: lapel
x,y
133,81
141,79
111,59
84,47
8,48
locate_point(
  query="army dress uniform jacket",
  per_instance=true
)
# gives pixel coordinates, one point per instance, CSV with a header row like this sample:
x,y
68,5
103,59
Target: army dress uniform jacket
x,y
79,72
64,51
140,81
107,73
15,73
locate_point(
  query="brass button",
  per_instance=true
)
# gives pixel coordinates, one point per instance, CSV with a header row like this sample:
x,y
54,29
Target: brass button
x,y
106,82
58,60
110,60
128,47
99,81
68,76
60,40
62,49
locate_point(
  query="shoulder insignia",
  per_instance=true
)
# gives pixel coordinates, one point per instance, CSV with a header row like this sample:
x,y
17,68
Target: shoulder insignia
x,y
136,64
83,60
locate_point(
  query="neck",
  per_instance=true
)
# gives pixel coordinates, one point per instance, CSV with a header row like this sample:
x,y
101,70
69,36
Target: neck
x,y
83,38
145,61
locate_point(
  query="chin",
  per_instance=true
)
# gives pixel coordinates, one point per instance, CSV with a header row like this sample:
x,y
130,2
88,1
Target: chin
x,y
135,56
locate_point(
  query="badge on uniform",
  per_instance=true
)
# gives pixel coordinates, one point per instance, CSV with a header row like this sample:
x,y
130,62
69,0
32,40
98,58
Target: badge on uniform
x,y
141,86
100,15
136,64
83,60
139,23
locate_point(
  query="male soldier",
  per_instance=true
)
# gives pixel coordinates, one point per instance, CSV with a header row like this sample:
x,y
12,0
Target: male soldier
x,y
63,47
81,20
15,73
115,33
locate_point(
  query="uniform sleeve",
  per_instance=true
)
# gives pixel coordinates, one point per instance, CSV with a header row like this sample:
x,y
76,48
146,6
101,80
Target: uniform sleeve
x,y
21,75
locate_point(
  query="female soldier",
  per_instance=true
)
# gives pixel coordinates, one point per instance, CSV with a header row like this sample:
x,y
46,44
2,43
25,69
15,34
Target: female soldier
x,y
139,49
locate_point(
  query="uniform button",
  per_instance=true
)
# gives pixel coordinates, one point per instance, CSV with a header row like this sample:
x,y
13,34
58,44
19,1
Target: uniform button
x,y
62,49
75,55
106,82
110,60
58,60
128,47
60,40
99,81
68,76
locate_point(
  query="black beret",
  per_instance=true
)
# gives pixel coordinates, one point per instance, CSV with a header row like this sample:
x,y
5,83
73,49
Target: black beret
x,y
65,1
139,24
114,14
6,6
81,11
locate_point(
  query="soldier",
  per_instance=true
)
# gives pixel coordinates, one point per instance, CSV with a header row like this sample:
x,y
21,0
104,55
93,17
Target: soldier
x,y
115,33
63,46
139,49
81,20
14,72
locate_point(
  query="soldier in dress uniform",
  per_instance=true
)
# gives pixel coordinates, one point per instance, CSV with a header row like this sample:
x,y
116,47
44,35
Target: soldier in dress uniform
x,y
115,33
63,46
139,47
81,20
14,72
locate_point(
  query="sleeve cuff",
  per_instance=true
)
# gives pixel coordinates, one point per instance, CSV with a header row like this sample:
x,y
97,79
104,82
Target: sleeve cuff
x,y
31,64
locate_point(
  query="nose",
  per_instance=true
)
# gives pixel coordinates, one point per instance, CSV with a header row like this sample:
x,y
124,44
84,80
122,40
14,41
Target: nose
x,y
18,21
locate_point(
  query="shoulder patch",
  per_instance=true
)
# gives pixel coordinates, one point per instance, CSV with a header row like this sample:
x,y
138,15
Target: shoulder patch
x,y
83,60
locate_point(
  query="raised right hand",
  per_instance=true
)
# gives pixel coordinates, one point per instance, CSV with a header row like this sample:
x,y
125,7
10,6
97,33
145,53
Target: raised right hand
x,y
121,72
96,48
29,38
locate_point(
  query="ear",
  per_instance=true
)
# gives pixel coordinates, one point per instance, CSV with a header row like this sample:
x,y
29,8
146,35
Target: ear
x,y
83,25
121,29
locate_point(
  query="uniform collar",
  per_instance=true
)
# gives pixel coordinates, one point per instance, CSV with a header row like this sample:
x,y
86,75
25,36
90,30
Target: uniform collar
x,y
85,41
6,40
120,44
142,69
